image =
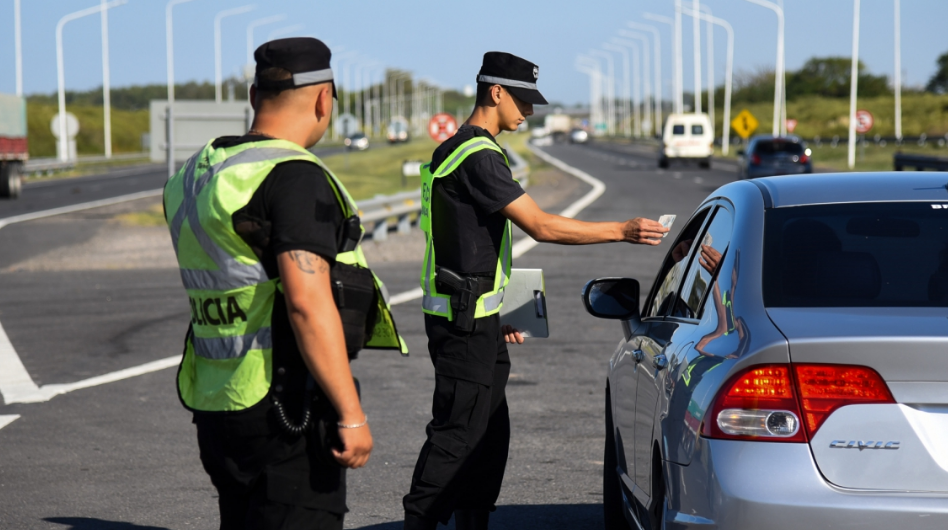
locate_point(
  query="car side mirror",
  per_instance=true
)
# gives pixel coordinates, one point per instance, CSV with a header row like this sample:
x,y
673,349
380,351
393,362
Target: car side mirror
x,y
612,298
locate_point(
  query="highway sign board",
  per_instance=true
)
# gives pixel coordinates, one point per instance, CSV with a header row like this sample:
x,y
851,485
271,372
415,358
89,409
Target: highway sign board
x,y
442,126
72,125
346,125
744,124
791,125
864,121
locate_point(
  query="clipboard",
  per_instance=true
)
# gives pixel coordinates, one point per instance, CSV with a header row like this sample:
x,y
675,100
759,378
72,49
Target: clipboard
x,y
525,303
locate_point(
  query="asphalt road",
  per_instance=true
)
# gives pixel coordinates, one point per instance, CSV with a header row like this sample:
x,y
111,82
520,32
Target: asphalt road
x,y
124,455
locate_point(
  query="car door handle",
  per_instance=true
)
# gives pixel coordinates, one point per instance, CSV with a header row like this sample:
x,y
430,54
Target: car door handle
x,y
660,361
638,356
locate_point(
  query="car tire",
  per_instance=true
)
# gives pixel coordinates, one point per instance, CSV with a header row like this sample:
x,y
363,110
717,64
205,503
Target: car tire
x,y
654,518
705,164
663,163
11,184
613,508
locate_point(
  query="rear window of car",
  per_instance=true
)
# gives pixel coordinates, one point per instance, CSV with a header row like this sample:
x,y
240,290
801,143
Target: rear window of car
x,y
857,255
697,130
772,148
678,129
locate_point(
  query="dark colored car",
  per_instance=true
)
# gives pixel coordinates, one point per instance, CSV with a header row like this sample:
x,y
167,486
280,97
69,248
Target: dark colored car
x,y
768,156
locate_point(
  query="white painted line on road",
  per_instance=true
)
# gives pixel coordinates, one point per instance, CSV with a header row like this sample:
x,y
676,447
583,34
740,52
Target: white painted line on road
x,y
16,385
78,207
8,419
522,246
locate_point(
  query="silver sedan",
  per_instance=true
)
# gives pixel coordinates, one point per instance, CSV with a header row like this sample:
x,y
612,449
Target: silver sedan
x,y
789,367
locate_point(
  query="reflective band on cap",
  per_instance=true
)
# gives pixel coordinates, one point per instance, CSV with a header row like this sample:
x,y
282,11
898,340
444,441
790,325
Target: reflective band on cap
x,y
232,347
311,78
506,82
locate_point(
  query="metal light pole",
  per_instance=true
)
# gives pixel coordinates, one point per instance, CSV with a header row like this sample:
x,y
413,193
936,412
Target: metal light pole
x,y
678,104
288,30
169,50
593,68
218,93
106,83
853,88
696,26
610,90
898,71
637,97
710,46
728,76
778,80
18,47
647,120
659,93
61,71
254,24
626,93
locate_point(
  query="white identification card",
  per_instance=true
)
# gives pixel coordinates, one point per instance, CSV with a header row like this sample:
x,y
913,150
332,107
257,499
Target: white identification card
x,y
525,303
667,221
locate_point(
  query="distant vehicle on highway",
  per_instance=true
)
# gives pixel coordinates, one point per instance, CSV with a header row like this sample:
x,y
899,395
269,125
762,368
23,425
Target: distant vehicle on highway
x,y
558,126
767,156
687,137
788,368
13,145
578,136
357,141
397,130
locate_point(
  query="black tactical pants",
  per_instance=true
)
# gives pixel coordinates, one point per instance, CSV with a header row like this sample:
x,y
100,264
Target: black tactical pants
x,y
267,479
461,465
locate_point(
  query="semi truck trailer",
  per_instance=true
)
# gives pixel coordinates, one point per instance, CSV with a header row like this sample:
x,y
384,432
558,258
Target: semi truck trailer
x,y
13,146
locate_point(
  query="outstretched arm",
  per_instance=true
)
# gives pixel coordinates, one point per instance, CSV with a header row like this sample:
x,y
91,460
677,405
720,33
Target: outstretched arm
x,y
550,228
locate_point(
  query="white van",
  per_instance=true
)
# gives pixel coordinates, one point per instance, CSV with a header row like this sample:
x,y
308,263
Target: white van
x,y
687,137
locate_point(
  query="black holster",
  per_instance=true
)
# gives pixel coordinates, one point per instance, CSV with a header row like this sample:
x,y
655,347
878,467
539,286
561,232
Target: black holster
x,y
463,291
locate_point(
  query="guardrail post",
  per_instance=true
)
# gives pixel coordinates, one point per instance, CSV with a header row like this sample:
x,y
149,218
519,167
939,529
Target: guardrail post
x,y
404,224
380,232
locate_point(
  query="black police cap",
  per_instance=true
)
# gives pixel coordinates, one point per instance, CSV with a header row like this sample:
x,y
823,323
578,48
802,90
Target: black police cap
x,y
304,57
518,76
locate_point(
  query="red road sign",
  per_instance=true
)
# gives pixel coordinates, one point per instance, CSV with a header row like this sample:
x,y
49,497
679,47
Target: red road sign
x,y
791,125
864,121
442,126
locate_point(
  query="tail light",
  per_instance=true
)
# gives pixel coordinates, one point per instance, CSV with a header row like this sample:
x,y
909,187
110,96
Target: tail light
x,y
755,159
804,158
766,403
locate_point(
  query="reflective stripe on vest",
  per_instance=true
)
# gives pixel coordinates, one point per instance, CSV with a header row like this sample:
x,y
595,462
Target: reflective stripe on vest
x,y
433,302
227,363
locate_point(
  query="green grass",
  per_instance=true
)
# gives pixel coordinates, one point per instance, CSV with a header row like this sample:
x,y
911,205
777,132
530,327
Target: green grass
x,y
127,129
151,216
378,170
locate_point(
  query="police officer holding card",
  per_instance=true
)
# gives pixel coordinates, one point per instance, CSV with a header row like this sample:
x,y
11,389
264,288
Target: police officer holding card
x,y
267,240
469,199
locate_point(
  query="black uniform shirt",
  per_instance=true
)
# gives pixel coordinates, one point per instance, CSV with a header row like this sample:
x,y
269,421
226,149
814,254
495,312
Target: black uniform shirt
x,y
294,208
465,206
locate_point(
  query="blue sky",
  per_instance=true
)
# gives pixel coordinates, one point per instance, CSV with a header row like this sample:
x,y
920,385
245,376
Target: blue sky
x,y
444,41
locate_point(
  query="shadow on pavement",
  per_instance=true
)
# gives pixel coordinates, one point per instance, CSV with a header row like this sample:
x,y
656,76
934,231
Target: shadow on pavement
x,y
546,516
91,523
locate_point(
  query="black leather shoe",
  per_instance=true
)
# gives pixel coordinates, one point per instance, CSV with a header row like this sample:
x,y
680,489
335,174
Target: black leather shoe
x,y
413,522
471,519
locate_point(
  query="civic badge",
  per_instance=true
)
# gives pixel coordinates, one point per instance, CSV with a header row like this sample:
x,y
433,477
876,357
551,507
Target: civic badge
x,y
536,72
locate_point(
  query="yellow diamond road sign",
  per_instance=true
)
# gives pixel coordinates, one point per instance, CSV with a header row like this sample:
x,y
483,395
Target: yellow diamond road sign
x,y
744,124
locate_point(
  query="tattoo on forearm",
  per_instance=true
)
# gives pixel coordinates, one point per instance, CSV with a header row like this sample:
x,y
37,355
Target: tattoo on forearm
x,y
308,262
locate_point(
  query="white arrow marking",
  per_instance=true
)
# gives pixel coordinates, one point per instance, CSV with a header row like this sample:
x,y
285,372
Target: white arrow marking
x,y
8,419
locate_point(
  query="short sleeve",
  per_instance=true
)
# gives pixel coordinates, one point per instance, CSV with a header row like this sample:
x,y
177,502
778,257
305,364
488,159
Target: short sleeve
x,y
490,184
303,210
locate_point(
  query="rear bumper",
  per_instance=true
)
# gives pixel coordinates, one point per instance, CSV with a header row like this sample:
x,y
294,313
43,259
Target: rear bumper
x,y
752,485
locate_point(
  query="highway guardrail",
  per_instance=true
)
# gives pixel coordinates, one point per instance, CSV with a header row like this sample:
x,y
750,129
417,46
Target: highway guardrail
x,y
401,209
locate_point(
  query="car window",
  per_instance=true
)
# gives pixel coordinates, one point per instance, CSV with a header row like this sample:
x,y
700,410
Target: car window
x,y
666,283
697,130
678,129
775,147
704,265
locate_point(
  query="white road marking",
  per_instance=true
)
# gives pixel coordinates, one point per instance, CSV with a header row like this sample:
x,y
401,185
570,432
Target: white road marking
x,y
522,246
8,419
16,385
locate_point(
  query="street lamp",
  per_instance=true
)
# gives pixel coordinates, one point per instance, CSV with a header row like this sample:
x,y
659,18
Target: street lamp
x,y
696,25
593,68
61,71
610,90
646,79
853,86
218,93
728,76
288,30
106,83
778,79
678,103
898,71
254,24
620,45
659,94
18,45
169,51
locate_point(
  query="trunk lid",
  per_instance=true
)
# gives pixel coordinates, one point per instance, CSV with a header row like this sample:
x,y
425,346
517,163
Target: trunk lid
x,y
896,447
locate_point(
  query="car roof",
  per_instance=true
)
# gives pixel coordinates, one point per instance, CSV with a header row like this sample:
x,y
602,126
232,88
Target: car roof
x,y
829,188
787,138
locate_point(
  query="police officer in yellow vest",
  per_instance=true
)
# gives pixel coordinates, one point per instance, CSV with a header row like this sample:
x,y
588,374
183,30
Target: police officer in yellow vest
x,y
469,199
281,300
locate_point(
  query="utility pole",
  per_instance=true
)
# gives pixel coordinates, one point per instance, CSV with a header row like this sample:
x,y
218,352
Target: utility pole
x,y
853,88
659,93
898,72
